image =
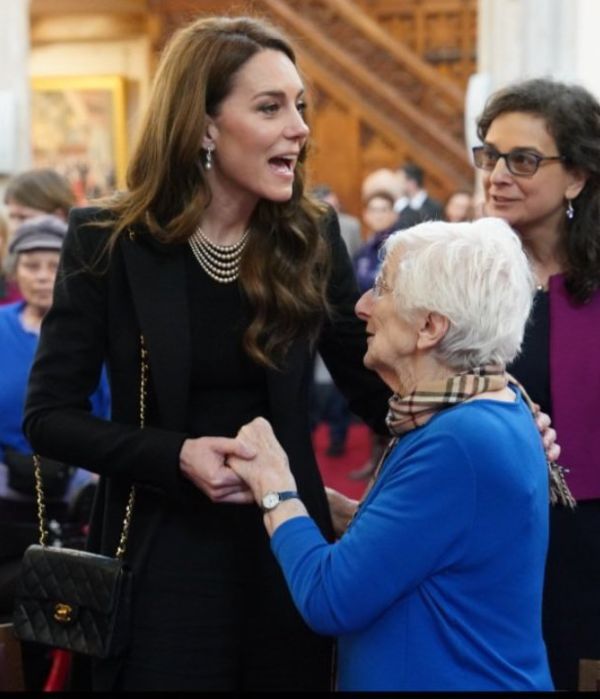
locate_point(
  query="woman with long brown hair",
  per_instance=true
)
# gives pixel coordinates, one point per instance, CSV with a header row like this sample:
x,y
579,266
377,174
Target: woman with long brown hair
x,y
233,276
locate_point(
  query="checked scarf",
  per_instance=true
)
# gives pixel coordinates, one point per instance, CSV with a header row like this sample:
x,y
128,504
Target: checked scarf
x,y
428,398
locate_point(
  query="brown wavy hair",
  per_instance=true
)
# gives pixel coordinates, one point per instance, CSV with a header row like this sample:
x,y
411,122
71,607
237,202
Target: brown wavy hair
x,y
572,117
286,262
43,189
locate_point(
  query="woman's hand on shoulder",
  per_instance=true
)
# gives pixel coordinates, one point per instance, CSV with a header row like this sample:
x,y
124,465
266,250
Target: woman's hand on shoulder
x,y
548,433
203,461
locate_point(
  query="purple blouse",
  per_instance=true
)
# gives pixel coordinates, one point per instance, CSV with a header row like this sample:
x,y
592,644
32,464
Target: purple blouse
x,y
575,387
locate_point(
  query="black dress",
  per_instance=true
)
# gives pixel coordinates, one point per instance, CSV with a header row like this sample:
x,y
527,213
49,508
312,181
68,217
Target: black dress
x,y
210,606
571,606
214,628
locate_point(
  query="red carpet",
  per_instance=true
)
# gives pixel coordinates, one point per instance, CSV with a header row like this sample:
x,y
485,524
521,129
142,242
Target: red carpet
x,y
334,470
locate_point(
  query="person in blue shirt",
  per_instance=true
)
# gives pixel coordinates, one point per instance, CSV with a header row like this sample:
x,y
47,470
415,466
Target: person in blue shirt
x,y
436,582
32,262
34,252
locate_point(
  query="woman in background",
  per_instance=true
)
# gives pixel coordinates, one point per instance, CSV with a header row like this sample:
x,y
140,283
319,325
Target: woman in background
x,y
379,218
37,192
8,291
540,157
27,195
459,207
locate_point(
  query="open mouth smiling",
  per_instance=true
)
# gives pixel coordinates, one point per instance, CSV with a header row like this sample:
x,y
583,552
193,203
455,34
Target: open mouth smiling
x,y
283,164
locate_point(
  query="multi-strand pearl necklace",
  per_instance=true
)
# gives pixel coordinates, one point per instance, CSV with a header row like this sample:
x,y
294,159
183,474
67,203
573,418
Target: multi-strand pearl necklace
x,y
220,262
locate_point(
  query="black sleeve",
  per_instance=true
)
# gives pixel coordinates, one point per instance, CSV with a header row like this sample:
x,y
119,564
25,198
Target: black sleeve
x,y
66,370
343,341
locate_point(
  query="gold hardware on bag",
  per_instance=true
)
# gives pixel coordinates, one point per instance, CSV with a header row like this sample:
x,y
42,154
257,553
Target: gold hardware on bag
x,y
63,612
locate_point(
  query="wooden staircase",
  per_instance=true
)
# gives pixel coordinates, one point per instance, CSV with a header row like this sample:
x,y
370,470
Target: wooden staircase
x,y
386,78
377,102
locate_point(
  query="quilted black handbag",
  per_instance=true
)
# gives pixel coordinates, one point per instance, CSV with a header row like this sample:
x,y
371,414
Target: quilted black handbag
x,y
71,599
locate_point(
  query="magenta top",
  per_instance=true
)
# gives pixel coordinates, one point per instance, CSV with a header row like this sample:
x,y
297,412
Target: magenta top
x,y
575,387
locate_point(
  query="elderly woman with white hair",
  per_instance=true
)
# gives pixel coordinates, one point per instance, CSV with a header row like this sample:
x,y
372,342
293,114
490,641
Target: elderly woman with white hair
x,y
436,584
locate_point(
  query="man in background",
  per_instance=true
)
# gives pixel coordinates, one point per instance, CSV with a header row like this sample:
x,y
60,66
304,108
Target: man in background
x,y
415,205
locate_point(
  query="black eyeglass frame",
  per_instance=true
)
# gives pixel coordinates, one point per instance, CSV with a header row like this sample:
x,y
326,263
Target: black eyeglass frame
x,y
507,159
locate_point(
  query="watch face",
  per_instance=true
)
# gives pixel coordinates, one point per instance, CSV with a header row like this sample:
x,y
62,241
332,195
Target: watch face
x,y
270,500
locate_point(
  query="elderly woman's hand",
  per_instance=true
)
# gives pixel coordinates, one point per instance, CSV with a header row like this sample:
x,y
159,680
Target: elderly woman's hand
x,y
269,469
342,510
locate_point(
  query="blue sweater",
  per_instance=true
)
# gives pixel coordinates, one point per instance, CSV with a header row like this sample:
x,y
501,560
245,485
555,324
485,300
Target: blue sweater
x,y
17,350
437,583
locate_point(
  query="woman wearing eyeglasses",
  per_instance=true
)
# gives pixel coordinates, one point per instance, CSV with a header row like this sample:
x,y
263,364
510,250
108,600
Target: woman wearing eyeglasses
x,y
541,163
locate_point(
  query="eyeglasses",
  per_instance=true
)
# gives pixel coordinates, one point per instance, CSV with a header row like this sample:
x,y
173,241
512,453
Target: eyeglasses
x,y
520,162
380,287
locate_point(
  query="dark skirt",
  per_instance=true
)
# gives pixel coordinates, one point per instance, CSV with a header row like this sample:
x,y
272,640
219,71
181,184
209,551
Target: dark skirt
x,y
571,613
212,612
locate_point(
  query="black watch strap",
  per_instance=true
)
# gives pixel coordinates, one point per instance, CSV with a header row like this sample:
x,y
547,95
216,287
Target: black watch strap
x,y
273,498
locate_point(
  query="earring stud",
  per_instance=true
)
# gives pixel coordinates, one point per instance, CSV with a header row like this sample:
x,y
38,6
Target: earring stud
x,y
570,212
208,160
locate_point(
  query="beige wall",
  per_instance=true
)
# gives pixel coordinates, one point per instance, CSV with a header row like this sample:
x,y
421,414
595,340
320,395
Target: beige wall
x,y
128,58
14,121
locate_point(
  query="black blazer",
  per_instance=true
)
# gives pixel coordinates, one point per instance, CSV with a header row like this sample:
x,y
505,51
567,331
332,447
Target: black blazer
x,y
98,313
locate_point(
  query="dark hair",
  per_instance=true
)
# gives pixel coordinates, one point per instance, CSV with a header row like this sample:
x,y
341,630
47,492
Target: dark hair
x,y
42,189
572,117
413,172
284,269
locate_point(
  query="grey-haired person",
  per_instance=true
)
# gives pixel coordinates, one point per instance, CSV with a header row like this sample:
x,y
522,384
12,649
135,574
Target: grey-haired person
x,y
436,582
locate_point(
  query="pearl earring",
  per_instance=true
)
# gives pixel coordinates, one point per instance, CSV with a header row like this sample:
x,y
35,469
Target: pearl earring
x,y
570,212
208,161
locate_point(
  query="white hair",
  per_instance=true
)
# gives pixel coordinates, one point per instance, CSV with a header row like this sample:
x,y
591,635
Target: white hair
x,y
475,274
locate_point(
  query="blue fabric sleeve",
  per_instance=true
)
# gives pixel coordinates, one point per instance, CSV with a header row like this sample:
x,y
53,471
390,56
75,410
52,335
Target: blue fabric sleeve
x,y
413,523
101,397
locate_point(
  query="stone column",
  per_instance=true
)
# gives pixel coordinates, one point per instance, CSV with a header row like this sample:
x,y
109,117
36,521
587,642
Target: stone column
x,y
520,39
15,148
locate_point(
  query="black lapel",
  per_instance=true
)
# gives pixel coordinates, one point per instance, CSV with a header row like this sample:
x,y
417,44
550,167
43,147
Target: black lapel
x,y
157,278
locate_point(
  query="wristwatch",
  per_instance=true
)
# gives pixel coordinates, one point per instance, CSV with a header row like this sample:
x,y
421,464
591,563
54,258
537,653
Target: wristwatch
x,y
271,499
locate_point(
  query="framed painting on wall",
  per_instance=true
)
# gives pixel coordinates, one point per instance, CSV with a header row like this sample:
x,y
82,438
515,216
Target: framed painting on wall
x,y
78,127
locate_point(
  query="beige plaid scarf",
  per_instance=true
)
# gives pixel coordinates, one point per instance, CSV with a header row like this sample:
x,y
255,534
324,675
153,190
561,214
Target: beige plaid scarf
x,y
428,398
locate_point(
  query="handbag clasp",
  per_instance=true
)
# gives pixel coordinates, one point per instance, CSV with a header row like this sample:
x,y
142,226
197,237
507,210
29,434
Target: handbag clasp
x,y
63,613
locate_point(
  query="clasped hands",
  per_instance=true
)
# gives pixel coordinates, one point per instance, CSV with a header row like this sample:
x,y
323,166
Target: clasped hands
x,y
238,470
241,470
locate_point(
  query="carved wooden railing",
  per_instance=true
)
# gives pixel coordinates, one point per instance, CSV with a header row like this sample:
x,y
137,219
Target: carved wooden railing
x,y
442,34
385,73
394,91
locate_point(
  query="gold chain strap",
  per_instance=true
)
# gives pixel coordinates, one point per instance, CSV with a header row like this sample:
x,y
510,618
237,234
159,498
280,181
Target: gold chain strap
x,y
131,500
39,491
39,495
